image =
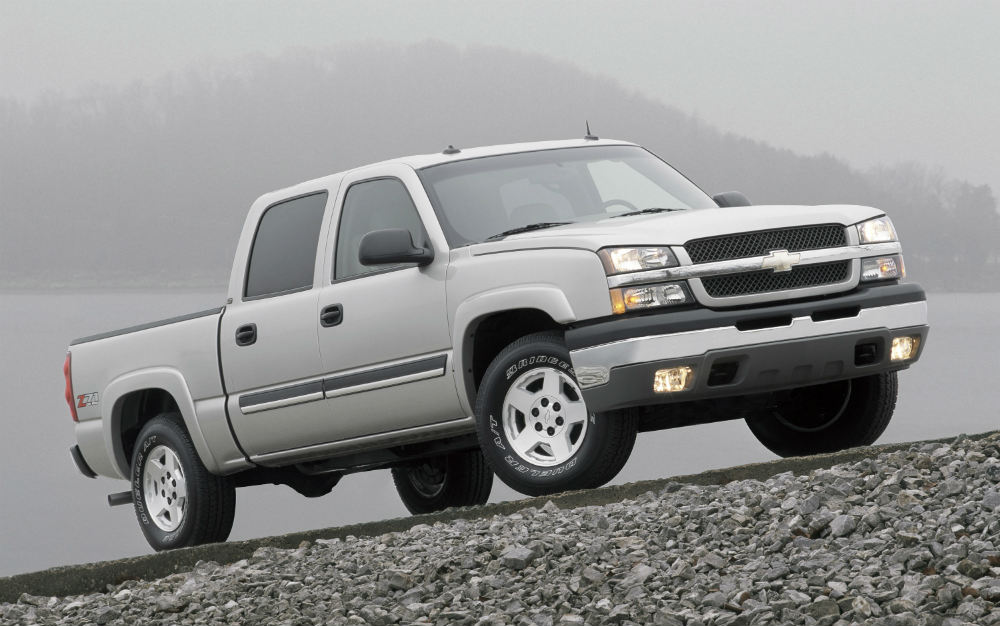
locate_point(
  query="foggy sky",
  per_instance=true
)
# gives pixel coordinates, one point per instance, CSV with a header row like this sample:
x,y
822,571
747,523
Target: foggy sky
x,y
873,83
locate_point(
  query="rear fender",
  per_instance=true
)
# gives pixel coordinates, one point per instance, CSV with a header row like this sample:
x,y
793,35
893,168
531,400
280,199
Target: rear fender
x,y
167,379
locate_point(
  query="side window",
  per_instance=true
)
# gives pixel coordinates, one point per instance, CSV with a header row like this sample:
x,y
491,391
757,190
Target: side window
x,y
283,254
369,206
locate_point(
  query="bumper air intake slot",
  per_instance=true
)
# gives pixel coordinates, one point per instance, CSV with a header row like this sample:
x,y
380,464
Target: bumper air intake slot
x,y
836,314
764,322
722,373
868,352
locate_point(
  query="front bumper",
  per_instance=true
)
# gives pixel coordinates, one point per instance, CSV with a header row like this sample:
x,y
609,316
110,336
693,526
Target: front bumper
x,y
740,352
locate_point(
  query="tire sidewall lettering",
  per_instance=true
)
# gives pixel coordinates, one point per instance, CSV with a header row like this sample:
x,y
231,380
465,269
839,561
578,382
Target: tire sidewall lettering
x,y
137,491
524,363
498,438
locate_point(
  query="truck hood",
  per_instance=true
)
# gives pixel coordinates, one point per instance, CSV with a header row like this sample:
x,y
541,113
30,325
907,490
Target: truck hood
x,y
678,227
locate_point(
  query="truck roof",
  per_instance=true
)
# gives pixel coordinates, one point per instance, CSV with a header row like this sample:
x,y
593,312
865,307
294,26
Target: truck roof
x,y
420,161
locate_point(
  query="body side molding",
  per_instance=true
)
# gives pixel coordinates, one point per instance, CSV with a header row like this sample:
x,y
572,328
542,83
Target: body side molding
x,y
343,384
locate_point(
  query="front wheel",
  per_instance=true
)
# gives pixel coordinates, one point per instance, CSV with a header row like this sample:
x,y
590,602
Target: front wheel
x,y
457,479
534,426
826,418
178,502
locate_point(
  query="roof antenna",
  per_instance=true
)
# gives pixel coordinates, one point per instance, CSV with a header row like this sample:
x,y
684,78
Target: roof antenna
x,y
589,136
450,150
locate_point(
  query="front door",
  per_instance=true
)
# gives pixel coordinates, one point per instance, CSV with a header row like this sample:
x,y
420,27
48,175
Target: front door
x,y
388,357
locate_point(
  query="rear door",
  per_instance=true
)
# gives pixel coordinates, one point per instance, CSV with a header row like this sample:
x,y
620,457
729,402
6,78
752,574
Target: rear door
x,y
267,337
388,358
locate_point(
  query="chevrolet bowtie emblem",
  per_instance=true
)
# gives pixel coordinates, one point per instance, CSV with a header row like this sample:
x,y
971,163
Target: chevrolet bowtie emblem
x,y
780,261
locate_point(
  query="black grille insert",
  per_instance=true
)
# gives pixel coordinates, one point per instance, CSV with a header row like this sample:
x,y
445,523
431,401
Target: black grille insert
x,y
764,281
762,242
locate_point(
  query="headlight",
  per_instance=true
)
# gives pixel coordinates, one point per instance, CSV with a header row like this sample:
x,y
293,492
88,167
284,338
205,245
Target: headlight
x,y
878,230
621,260
647,296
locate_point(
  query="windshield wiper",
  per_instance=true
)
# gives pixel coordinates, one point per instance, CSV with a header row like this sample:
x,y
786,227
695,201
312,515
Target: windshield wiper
x,y
655,209
524,229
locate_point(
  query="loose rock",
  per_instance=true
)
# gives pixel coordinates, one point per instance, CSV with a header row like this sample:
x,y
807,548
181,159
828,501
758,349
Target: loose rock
x,y
908,537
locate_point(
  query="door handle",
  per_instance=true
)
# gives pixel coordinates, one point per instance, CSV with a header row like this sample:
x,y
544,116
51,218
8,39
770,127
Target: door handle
x,y
331,315
246,335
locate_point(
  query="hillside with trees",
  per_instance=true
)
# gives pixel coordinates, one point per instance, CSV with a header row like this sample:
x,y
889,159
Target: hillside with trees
x,y
149,185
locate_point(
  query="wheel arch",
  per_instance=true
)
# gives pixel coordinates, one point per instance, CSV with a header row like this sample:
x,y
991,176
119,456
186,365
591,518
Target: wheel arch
x,y
488,322
132,400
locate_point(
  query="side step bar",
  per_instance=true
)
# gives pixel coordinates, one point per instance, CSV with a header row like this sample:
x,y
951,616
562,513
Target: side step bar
x,y
118,499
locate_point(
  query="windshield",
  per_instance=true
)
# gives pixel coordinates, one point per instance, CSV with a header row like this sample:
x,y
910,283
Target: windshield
x,y
481,198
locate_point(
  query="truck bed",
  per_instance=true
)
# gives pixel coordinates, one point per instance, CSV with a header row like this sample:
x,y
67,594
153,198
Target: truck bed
x,y
179,355
146,326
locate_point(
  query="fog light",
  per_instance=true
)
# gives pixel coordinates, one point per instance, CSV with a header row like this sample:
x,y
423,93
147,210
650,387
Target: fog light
x,y
904,348
673,379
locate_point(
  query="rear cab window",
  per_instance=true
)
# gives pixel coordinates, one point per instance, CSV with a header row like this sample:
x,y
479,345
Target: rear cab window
x,y
283,253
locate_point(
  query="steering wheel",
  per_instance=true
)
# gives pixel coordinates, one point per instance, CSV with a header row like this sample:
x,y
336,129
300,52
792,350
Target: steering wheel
x,y
625,203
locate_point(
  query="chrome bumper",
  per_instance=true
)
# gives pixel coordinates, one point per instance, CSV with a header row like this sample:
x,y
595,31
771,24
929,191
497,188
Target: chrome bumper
x,y
798,345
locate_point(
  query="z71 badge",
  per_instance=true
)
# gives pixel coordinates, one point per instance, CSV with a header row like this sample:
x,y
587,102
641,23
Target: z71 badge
x,y
87,399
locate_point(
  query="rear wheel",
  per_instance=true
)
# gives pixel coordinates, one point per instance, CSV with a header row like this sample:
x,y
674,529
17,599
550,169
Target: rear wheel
x,y
457,479
826,418
534,426
178,502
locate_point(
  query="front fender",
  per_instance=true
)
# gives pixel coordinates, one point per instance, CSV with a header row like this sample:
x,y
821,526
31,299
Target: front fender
x,y
543,297
167,379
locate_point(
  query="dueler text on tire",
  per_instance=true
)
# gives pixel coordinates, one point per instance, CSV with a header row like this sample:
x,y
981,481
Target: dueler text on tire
x,y
178,502
456,479
534,426
826,418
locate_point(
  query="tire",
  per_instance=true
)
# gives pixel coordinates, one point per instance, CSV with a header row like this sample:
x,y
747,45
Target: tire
x,y
457,479
193,506
530,391
826,418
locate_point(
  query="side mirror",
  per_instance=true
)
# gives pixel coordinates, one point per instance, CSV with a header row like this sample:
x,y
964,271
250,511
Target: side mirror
x,y
731,198
390,246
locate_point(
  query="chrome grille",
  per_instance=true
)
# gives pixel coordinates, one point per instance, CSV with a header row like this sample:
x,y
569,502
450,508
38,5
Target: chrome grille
x,y
761,242
764,281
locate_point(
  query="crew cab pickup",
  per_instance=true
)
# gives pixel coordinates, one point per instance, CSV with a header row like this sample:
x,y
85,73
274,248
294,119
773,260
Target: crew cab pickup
x,y
519,311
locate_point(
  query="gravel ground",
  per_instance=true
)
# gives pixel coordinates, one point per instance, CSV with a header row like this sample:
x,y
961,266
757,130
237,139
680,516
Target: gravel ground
x,y
909,537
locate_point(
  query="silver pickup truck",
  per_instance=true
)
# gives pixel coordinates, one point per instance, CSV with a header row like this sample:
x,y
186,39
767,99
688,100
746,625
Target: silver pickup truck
x,y
522,310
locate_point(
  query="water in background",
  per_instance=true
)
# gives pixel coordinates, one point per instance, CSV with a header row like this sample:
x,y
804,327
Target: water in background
x,y
51,515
